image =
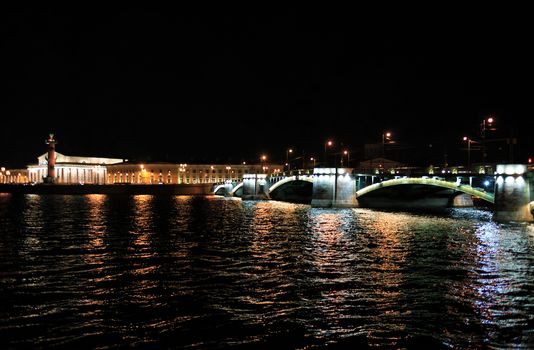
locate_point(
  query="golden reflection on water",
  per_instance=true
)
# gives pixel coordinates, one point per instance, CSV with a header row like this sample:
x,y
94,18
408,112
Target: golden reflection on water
x,y
143,221
331,256
33,218
385,229
262,218
390,253
96,221
261,227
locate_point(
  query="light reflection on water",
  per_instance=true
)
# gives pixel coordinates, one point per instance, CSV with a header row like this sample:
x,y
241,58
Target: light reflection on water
x,y
213,272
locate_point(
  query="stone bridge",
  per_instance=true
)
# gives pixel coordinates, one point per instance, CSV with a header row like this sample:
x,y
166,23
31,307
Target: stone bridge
x,y
509,191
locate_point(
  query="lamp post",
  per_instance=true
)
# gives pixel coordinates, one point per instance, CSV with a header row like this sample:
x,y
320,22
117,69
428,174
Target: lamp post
x,y
313,160
386,136
345,153
288,164
486,124
328,143
263,159
466,138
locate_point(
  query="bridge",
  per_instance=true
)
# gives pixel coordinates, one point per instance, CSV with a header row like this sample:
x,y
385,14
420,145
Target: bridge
x,y
510,191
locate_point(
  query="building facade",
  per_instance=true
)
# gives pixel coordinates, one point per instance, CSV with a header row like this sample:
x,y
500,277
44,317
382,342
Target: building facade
x,y
13,176
72,170
172,173
93,170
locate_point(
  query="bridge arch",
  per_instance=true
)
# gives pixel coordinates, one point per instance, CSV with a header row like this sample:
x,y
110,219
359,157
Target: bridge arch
x,y
428,182
218,188
235,189
290,179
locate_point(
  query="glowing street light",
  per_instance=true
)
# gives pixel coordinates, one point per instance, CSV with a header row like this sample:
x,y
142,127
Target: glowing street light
x,y
288,164
263,159
345,153
486,125
469,142
386,136
313,160
328,143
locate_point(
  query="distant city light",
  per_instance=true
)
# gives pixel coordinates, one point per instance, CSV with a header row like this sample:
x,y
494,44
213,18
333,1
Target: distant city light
x,y
486,183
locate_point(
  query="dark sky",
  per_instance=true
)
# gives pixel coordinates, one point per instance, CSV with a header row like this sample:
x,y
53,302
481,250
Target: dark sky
x,y
167,85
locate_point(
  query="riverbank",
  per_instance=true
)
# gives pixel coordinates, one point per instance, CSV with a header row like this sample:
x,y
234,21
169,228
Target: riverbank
x,y
163,189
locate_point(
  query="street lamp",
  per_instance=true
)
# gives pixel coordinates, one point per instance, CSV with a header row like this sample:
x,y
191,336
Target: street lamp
x,y
313,160
386,136
486,124
288,164
328,143
469,141
263,159
345,153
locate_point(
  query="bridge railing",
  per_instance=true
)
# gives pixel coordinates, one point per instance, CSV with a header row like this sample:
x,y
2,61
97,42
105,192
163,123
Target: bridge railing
x,y
295,172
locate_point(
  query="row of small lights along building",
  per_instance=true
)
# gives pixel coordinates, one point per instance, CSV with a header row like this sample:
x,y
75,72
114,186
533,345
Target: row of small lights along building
x,y
170,173
98,170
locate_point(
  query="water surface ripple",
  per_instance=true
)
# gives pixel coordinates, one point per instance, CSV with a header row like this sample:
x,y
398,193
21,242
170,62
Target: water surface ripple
x,y
209,272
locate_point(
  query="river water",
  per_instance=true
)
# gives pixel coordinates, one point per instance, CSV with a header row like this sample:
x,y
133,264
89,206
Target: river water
x,y
99,271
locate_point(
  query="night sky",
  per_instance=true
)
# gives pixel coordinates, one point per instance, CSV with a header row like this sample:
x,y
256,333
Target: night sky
x,y
162,85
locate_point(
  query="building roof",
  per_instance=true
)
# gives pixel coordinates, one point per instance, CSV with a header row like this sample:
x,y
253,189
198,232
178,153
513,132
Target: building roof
x,y
61,158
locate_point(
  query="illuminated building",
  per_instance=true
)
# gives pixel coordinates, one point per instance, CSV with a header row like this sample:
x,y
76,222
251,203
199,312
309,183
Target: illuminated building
x,y
93,170
172,173
9,176
72,170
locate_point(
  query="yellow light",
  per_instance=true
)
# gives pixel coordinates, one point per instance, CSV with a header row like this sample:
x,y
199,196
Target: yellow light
x,y
142,166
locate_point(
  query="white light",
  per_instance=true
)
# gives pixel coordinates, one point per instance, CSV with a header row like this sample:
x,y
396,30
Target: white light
x,y
510,169
486,183
520,169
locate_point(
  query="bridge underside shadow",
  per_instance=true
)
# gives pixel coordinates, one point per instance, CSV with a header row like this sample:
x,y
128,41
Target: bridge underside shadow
x,y
403,197
297,191
411,197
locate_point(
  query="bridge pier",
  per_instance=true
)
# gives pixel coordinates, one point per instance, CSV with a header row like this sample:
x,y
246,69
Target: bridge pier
x,y
255,187
462,200
513,194
333,188
228,187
